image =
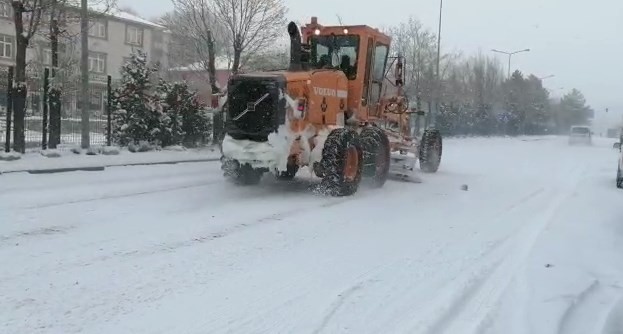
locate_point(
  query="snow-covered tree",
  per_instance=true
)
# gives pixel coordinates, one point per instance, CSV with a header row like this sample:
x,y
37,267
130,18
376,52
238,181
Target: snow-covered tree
x,y
573,110
135,110
184,120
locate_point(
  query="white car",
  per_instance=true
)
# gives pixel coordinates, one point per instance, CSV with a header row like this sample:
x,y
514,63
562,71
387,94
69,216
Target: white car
x,y
580,134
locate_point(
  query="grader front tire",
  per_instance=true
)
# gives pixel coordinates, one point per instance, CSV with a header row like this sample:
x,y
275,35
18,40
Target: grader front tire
x,y
376,156
342,162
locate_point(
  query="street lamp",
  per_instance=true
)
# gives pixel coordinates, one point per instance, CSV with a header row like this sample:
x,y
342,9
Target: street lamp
x,y
438,78
547,77
510,54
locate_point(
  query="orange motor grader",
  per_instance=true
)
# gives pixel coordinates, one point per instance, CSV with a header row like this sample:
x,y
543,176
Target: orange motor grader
x,y
334,110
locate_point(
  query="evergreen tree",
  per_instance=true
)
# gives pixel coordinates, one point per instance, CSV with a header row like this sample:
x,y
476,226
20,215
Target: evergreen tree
x,y
184,119
573,110
135,111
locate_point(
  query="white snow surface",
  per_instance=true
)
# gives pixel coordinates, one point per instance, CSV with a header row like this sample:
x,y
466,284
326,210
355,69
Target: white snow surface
x,y
35,161
534,246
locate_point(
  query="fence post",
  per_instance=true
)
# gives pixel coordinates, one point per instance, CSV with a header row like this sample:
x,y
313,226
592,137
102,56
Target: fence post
x,y
108,111
9,110
44,125
54,108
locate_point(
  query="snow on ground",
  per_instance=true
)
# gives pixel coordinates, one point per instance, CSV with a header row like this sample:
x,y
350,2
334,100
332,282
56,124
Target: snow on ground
x,y
534,246
37,161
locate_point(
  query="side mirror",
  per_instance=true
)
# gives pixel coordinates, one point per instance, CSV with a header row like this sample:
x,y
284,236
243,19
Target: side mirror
x,y
616,145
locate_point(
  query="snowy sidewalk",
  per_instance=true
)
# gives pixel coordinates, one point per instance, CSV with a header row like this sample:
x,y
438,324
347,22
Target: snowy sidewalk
x,y
35,162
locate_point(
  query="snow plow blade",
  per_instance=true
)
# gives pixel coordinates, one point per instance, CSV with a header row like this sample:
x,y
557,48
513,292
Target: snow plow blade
x,y
402,167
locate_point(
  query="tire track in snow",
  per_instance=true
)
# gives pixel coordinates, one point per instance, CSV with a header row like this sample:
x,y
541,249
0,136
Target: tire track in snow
x,y
187,185
107,178
401,284
582,316
474,307
341,299
154,249
362,282
254,322
50,230
614,320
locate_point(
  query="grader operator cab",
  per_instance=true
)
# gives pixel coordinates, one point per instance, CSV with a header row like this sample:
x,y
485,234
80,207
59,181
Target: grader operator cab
x,y
334,110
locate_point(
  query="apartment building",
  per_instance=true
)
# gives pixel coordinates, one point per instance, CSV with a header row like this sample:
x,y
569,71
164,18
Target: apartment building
x,y
113,36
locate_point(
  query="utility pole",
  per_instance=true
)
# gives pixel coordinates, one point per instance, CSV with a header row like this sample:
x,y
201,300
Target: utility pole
x,y
84,73
433,115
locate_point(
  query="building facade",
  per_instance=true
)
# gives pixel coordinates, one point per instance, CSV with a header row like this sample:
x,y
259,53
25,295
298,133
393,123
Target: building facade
x,y
113,36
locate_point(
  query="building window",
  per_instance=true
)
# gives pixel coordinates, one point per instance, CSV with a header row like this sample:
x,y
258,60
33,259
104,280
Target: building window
x,y
98,29
6,46
97,62
134,35
6,10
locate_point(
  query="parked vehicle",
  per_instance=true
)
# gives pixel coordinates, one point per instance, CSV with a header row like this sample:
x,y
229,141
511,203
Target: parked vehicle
x,y
620,166
580,134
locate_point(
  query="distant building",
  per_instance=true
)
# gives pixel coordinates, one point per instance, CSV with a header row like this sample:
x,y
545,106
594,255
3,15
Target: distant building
x,y
197,77
113,36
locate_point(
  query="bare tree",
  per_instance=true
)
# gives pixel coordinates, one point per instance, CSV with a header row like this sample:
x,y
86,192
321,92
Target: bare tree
x,y
194,24
129,10
418,45
26,17
269,60
252,25
62,17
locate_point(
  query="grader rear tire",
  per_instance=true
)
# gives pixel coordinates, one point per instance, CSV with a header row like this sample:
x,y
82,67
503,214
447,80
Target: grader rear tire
x,y
430,151
376,156
342,160
243,175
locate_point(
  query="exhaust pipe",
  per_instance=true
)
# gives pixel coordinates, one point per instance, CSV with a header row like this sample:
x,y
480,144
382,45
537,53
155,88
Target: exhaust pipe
x,y
295,47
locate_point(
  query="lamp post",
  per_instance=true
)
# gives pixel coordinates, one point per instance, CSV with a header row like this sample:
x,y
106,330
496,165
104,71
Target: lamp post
x,y
510,54
437,75
547,77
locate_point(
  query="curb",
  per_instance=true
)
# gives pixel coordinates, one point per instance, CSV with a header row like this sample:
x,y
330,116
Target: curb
x,y
101,168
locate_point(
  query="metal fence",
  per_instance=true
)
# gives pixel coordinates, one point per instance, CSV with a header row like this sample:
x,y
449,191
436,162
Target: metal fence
x,y
38,118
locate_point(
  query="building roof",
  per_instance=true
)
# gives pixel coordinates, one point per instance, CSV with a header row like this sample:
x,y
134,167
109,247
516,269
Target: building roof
x,y
125,16
221,63
102,6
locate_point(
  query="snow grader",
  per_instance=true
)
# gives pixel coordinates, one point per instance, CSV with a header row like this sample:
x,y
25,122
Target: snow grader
x,y
337,110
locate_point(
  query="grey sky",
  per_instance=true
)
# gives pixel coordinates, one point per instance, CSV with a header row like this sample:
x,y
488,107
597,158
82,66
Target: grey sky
x,y
578,41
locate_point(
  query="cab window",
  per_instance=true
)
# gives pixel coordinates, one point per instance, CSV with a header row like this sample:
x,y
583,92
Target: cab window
x,y
335,51
378,73
380,59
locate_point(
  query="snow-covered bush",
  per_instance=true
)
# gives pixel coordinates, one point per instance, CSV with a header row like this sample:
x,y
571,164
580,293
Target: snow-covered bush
x,y
110,150
142,146
51,153
10,156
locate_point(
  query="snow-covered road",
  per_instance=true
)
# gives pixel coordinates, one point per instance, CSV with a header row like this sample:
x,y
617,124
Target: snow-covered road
x,y
534,246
